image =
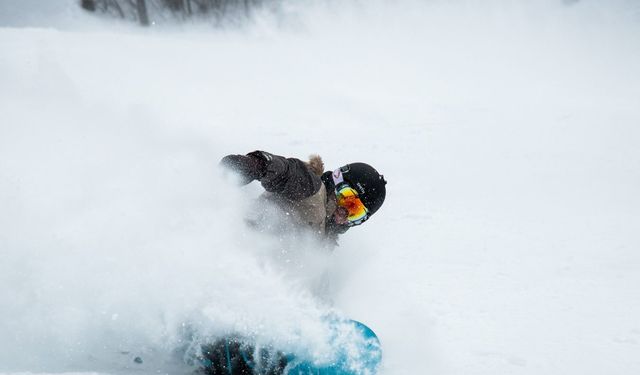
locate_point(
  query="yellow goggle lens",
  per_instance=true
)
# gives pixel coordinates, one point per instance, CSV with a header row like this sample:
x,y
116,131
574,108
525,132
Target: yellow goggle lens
x,y
348,198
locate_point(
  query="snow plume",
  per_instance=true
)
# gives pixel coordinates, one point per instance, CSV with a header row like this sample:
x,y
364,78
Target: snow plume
x,y
117,237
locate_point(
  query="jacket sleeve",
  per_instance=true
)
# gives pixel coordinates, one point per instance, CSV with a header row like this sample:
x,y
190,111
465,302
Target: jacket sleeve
x,y
287,177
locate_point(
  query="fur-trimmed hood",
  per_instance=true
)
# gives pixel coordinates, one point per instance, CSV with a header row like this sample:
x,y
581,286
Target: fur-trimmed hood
x,y
315,164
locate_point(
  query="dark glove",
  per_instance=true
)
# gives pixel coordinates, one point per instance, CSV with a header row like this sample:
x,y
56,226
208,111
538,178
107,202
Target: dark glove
x,y
248,167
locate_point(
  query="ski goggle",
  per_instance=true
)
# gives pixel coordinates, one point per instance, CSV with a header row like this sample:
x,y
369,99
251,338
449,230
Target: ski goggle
x,y
347,198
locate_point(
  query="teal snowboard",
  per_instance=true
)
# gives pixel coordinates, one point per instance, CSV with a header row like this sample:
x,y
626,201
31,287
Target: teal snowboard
x,y
356,349
360,356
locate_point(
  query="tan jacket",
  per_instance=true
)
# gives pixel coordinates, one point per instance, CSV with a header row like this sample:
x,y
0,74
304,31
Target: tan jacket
x,y
296,189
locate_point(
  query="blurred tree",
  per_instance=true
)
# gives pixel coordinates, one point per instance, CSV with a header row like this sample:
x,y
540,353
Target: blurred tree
x,y
143,15
175,5
89,5
144,11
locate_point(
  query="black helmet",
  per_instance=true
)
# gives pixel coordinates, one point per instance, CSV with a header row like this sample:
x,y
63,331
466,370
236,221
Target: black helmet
x,y
369,184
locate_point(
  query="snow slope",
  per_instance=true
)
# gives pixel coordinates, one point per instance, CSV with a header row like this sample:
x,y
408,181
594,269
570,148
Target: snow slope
x,y
508,133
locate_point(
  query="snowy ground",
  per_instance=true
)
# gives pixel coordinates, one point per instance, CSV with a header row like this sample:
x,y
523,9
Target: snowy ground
x,y
509,134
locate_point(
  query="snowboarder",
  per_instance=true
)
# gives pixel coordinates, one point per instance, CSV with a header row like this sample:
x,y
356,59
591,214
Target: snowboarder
x,y
328,203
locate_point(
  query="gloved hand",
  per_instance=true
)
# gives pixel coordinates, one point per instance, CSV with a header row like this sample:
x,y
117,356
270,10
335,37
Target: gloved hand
x,y
248,167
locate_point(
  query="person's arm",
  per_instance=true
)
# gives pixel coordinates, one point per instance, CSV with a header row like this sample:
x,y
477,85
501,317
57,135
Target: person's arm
x,y
288,177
